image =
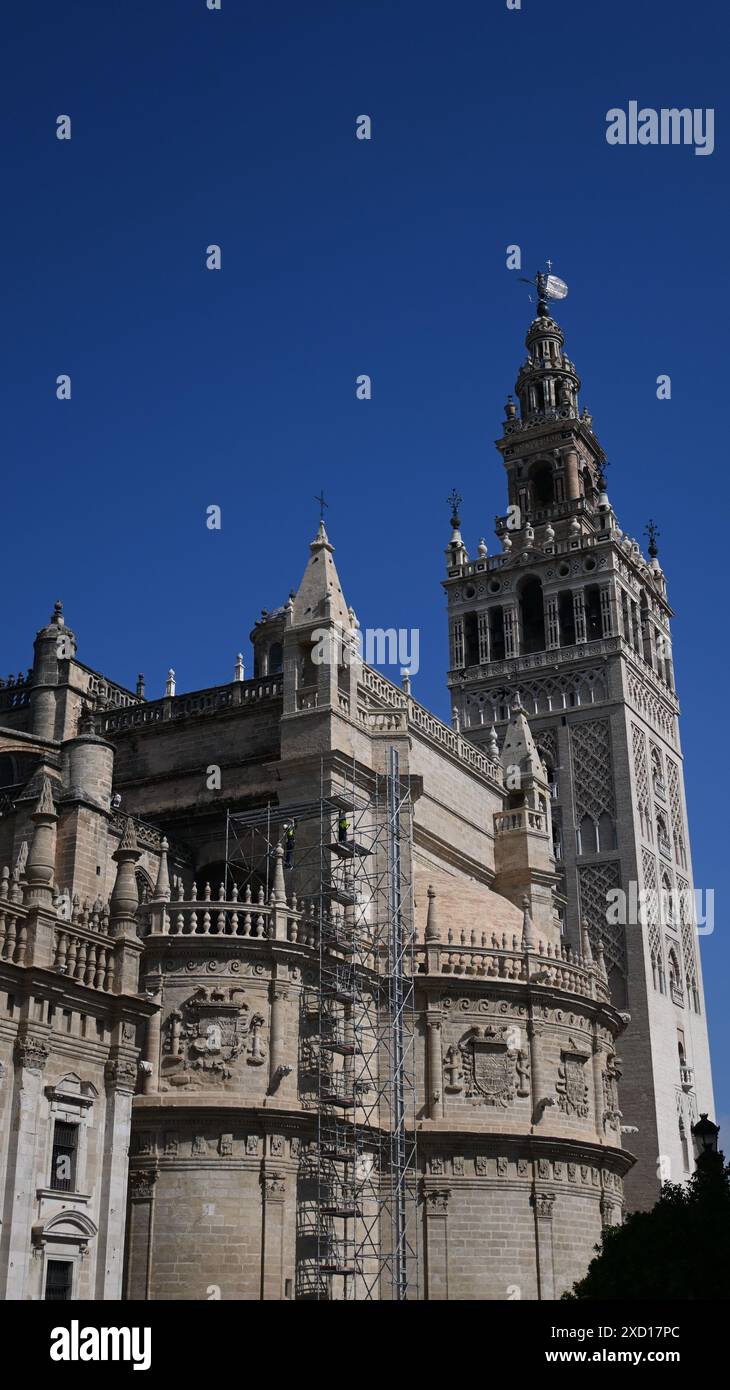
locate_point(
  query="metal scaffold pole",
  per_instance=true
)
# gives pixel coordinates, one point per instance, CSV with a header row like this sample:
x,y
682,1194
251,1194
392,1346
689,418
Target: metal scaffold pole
x,y
350,879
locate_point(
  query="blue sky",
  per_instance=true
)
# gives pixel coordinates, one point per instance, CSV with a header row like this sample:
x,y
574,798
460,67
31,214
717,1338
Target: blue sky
x,y
342,257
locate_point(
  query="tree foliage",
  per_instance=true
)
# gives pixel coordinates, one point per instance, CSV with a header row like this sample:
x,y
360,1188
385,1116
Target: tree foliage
x,y
680,1249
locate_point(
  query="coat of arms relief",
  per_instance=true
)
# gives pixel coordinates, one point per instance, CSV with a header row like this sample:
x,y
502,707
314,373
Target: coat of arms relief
x,y
488,1066
572,1086
209,1035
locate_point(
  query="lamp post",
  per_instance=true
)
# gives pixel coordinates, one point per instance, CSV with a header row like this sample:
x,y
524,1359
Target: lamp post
x,y
705,1135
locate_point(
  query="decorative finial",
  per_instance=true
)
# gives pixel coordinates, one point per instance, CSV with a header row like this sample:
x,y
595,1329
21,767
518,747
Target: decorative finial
x,y
129,836
455,500
432,927
652,531
482,550
239,672
170,682
57,615
528,935
322,503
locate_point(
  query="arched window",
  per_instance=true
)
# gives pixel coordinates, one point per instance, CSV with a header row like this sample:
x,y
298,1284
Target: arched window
x,y
606,832
532,615
144,885
496,633
587,837
662,836
566,616
543,488
276,658
667,903
657,776
675,980
592,600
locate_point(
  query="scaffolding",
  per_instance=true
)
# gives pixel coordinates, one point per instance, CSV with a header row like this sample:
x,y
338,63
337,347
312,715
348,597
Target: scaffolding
x,y
349,857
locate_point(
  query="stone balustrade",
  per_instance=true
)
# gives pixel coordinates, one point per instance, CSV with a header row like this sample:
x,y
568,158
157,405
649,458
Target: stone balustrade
x,y
80,955
13,934
236,695
552,967
417,717
507,821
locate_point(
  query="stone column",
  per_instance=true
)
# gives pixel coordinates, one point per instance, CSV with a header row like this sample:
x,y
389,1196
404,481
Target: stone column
x,y
483,634
32,1050
511,631
435,1068
273,1192
457,644
124,904
544,1203
598,1083
120,1076
140,1232
572,482
579,615
152,1045
278,1047
539,1093
436,1208
607,624
552,622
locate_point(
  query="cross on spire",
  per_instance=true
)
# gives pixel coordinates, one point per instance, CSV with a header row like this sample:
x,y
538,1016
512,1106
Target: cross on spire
x,y
322,503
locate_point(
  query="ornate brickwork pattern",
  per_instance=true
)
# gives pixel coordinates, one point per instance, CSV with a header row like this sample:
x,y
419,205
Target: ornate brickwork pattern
x,y
652,709
675,809
651,887
595,882
593,778
686,919
641,769
562,692
651,890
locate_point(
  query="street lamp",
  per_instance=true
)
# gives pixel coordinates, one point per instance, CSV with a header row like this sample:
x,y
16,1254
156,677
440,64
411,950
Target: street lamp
x,y
705,1135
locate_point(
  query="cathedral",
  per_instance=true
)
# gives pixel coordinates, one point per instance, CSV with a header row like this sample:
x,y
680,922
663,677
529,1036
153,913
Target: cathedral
x,y
305,994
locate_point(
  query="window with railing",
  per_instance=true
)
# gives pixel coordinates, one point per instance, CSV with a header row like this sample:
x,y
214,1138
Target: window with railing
x,y
63,1159
59,1278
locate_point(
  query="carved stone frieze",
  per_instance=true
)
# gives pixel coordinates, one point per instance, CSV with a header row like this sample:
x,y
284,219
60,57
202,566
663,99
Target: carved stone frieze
x,y
120,1074
141,1184
31,1052
572,1084
492,1070
210,1037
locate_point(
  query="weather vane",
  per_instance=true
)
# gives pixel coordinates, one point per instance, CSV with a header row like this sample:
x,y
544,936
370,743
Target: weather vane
x,y
652,531
322,503
454,500
548,286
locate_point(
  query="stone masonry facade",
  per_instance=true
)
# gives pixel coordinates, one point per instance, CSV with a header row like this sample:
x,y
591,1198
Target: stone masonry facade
x,y
161,974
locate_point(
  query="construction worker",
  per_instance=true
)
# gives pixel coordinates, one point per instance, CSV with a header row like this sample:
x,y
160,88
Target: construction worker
x,y
343,826
289,836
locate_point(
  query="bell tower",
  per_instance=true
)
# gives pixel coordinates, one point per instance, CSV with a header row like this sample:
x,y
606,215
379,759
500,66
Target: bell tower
x,y
571,620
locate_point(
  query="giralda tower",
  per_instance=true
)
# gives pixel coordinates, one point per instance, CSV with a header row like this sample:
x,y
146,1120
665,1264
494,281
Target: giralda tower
x,y
572,620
